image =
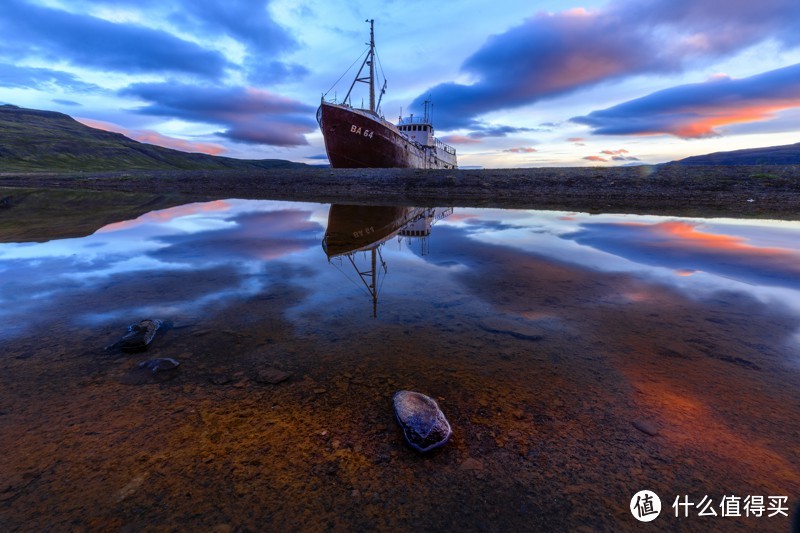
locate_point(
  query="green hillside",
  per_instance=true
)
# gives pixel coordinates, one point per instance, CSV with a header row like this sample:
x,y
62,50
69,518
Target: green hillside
x,y
32,140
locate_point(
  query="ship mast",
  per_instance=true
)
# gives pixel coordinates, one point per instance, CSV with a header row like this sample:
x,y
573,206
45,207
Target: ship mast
x,y
369,60
372,65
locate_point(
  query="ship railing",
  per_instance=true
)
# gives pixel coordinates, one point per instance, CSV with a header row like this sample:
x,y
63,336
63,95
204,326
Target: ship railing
x,y
412,120
446,147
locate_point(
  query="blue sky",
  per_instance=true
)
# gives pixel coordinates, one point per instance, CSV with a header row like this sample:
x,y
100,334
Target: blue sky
x,y
514,84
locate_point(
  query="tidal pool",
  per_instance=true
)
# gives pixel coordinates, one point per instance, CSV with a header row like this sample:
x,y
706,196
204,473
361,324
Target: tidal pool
x,y
578,358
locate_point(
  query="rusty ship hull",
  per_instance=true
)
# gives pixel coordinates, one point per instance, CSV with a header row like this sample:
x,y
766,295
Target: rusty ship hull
x,y
355,138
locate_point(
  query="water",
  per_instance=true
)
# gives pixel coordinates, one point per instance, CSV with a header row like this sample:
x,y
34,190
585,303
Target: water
x,y
579,359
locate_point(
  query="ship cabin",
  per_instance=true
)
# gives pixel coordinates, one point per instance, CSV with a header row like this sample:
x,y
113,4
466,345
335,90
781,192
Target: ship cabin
x,y
420,130
417,129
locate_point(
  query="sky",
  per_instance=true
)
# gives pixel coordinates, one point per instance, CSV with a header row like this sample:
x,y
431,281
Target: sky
x,y
513,83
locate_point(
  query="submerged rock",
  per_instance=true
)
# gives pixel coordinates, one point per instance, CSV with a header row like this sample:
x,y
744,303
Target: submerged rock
x,y
423,423
139,336
271,376
159,365
151,371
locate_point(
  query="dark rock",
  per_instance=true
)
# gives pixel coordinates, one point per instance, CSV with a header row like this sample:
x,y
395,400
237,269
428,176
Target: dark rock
x,y
423,423
645,427
139,336
271,376
220,379
159,365
151,371
5,201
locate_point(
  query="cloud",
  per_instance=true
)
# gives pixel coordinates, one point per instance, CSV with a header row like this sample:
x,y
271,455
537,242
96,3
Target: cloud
x,y
697,110
552,54
614,152
596,158
460,139
247,23
55,35
250,23
67,102
16,77
249,115
496,131
153,137
521,150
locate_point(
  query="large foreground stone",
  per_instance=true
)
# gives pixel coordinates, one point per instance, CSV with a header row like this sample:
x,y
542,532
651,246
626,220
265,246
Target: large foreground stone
x,y
424,425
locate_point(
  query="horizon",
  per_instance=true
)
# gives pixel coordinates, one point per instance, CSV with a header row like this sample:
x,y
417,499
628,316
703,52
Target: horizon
x,y
598,83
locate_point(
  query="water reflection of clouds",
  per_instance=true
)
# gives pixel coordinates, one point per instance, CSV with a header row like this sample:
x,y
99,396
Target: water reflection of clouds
x,y
176,260
695,256
691,246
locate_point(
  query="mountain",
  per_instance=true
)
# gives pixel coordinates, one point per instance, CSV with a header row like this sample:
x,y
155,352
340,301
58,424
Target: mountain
x,y
773,155
31,139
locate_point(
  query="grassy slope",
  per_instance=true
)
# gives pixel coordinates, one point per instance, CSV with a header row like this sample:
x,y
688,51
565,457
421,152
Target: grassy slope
x,y
45,140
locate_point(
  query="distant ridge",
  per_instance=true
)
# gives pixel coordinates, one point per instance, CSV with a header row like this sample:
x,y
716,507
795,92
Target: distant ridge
x,y
773,155
31,139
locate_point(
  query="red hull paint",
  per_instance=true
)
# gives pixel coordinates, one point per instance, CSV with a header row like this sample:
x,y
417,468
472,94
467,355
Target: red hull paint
x,y
356,139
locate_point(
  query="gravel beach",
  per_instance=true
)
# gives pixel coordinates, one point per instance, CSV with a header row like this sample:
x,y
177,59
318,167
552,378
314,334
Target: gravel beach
x,y
734,191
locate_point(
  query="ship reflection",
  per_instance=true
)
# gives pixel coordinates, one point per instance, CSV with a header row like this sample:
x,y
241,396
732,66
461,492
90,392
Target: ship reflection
x,y
356,234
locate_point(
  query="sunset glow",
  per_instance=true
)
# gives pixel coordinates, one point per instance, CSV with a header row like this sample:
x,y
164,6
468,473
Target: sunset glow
x,y
528,84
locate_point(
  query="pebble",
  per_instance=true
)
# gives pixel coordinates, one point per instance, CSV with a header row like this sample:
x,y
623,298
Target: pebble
x,y
645,427
159,365
271,376
424,425
471,464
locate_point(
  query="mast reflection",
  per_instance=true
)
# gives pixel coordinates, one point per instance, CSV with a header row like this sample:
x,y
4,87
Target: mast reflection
x,y
357,233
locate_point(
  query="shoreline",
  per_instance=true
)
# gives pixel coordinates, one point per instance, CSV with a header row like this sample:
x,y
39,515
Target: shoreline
x,y
769,191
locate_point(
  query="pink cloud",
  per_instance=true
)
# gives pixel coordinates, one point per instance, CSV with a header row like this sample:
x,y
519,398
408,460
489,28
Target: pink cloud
x,y
596,158
521,150
698,110
153,137
460,139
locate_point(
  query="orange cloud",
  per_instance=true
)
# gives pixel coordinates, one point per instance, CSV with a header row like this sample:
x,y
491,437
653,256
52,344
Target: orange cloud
x,y
711,119
153,137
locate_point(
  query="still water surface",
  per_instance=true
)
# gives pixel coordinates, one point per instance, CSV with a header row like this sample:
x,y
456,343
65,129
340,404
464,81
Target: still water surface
x,y
579,359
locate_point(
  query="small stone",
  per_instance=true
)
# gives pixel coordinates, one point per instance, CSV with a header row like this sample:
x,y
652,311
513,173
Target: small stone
x,y
424,425
271,376
645,427
220,379
139,336
471,464
515,328
159,365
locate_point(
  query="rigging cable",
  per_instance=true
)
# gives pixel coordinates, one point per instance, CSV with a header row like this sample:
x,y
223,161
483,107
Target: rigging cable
x,y
345,72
